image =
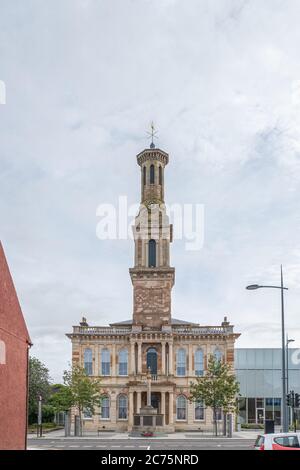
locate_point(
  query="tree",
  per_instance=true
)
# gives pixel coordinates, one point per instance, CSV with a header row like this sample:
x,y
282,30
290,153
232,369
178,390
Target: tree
x,y
61,398
218,389
39,384
81,391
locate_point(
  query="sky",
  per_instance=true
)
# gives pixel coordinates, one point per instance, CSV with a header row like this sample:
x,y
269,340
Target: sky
x,y
84,79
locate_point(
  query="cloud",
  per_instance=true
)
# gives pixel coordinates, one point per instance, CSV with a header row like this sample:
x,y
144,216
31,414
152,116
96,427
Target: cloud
x,y
83,80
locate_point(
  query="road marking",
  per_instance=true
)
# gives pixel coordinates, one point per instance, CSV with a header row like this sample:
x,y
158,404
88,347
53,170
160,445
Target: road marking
x,y
118,447
87,446
148,448
73,446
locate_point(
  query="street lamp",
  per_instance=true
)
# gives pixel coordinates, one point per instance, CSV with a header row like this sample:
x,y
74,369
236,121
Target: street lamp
x,y
284,389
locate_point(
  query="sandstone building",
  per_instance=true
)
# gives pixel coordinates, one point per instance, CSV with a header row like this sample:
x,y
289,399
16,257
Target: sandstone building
x,y
176,351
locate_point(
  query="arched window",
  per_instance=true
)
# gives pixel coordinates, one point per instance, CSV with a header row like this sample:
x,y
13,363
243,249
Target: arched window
x,y
105,407
152,174
122,407
199,364
105,362
152,253
160,175
218,355
181,408
144,175
88,361
152,360
199,411
181,362
123,362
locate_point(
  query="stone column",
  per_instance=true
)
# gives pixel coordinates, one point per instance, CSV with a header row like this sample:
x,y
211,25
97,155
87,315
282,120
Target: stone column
x,y
132,359
139,401
163,358
130,411
190,373
171,409
113,408
113,362
139,357
171,371
163,407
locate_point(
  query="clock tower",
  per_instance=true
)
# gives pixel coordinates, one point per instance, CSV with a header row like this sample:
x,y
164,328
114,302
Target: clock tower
x,y
152,277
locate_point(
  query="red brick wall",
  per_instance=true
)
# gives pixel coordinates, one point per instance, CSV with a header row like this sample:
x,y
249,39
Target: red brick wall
x,y
13,367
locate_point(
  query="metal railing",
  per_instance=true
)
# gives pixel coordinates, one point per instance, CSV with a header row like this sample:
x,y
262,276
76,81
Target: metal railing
x,y
98,330
204,330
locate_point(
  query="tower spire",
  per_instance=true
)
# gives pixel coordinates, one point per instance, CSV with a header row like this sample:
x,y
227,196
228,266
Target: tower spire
x,y
152,134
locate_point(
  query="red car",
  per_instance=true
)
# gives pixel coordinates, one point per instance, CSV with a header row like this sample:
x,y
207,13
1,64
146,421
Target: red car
x,y
280,441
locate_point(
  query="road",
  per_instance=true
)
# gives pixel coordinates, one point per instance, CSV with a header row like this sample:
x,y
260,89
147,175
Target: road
x,y
141,444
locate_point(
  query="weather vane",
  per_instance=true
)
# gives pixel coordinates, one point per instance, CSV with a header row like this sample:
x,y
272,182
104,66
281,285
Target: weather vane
x,y
153,135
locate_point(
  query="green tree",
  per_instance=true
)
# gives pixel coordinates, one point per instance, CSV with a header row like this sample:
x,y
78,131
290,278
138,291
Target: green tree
x,y
39,384
82,391
61,398
218,389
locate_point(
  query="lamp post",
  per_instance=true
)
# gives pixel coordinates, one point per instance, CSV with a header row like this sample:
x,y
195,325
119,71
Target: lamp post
x,y
283,367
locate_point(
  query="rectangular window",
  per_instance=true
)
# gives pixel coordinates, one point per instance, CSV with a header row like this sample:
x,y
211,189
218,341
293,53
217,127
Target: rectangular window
x,y
105,408
105,368
88,368
123,368
199,411
218,414
87,414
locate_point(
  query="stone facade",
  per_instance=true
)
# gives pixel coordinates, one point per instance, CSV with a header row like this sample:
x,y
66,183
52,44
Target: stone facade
x,y
176,351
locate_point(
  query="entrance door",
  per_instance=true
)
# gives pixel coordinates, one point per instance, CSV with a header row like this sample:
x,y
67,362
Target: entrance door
x,y
260,415
155,401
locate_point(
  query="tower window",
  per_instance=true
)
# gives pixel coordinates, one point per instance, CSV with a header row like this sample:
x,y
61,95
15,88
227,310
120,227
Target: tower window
x,y
152,174
144,175
152,254
160,175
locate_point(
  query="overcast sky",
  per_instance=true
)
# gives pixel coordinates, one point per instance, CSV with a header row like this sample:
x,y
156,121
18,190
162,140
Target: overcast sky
x,y
84,78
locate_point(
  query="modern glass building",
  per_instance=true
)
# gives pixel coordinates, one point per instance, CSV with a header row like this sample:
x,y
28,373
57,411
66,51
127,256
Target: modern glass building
x,y
259,374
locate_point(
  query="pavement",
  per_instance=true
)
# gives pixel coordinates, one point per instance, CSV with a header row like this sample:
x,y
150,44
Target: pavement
x,y
143,444
60,434
114,441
